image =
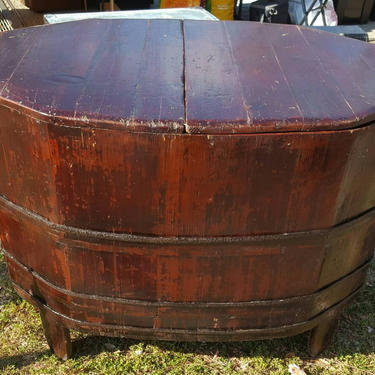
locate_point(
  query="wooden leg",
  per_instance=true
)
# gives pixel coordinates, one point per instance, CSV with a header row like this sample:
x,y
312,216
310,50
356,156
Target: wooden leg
x,y
58,337
321,335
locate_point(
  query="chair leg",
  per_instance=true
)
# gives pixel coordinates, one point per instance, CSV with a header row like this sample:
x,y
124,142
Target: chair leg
x,y
321,335
58,337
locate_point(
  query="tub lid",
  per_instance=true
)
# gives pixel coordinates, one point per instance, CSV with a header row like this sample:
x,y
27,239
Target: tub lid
x,y
188,76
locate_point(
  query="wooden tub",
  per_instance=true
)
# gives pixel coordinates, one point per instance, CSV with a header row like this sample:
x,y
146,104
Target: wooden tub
x,y
186,180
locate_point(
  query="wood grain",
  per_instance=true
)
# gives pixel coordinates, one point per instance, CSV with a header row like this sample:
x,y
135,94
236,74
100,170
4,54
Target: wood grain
x,y
293,80
186,180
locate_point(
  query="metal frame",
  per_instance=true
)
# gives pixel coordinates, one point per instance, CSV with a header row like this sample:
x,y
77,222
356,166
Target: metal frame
x,y
306,11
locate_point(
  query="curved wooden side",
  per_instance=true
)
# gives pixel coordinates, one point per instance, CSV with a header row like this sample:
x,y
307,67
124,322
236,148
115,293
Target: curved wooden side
x,y
200,334
182,184
185,269
261,314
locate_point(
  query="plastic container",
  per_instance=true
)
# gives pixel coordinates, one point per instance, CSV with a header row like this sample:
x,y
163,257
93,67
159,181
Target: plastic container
x,y
222,9
179,3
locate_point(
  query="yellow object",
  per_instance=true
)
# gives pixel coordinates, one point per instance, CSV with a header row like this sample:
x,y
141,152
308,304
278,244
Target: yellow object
x,y
222,9
179,3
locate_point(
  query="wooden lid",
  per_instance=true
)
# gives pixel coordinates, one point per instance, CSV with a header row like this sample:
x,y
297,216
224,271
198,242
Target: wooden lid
x,y
188,76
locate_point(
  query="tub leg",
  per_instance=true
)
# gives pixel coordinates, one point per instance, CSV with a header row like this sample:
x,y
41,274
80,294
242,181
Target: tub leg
x,y
58,337
321,335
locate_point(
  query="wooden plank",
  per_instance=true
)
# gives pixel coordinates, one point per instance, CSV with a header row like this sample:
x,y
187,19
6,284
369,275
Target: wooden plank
x,y
130,73
190,316
274,78
87,178
213,91
351,72
186,269
141,75
140,333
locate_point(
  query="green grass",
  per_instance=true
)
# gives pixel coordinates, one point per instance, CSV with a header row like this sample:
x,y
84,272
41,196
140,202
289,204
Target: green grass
x,y
23,348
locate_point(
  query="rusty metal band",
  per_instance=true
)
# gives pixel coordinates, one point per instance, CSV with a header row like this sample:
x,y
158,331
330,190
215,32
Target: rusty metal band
x,y
245,304
86,234
183,334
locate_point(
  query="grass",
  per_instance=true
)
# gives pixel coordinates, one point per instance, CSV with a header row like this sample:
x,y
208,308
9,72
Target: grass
x,y
23,348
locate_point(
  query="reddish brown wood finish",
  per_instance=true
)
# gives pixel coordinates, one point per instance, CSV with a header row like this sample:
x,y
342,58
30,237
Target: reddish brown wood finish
x,y
190,269
87,178
159,180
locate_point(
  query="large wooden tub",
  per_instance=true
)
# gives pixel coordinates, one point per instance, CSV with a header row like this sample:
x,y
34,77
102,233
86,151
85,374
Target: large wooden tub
x,y
186,180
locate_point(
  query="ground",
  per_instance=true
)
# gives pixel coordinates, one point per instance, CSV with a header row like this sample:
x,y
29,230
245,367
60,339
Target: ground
x,y
23,348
